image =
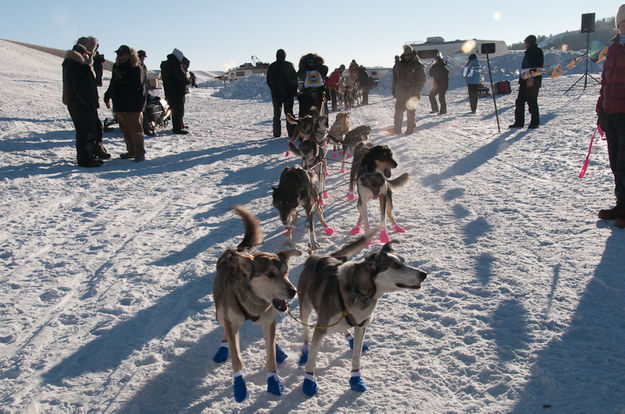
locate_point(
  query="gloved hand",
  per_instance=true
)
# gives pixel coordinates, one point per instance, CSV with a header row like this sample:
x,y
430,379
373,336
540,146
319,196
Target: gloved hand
x,y
601,121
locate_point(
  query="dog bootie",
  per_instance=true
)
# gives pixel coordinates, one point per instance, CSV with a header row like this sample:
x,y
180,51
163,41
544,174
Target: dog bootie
x,y
384,237
329,231
342,170
334,154
274,385
356,383
222,353
351,196
350,338
303,358
280,354
398,229
310,384
240,389
355,230
325,194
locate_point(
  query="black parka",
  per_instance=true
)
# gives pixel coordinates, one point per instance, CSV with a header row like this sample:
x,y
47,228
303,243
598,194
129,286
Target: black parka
x,y
175,81
282,78
79,83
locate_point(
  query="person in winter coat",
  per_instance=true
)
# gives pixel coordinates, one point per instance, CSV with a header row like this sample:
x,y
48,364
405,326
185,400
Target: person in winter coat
x,y
352,71
366,83
176,86
312,74
408,82
282,82
127,90
333,84
471,74
142,56
528,88
80,94
440,73
98,61
611,117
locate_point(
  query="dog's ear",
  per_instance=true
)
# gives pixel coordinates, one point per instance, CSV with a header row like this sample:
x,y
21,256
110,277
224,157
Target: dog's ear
x,y
242,261
388,247
285,255
371,261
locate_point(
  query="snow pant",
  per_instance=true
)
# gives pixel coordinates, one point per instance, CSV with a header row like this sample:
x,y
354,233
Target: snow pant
x,y
441,96
615,133
86,123
177,112
473,96
527,94
278,103
400,107
365,96
333,97
131,126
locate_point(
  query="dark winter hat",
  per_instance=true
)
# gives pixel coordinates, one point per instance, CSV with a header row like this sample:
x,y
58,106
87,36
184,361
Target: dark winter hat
x,y
620,15
123,50
530,40
89,42
472,56
142,54
342,67
408,50
79,48
280,54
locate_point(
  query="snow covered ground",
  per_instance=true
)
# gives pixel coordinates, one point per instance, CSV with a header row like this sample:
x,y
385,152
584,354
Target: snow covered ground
x,y
106,274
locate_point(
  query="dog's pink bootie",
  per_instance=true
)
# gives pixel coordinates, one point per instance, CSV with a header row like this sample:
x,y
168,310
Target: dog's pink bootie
x,y
321,203
325,194
398,229
334,155
327,173
351,196
347,155
342,170
329,231
355,230
384,237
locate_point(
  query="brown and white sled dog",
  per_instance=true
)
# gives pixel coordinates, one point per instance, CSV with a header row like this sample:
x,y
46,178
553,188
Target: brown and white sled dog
x,y
344,294
339,128
296,188
311,132
371,170
252,286
352,138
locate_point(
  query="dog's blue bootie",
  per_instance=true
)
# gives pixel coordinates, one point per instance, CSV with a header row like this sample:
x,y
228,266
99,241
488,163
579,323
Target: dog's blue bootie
x,y
274,385
221,355
280,354
303,359
365,347
310,385
240,389
357,384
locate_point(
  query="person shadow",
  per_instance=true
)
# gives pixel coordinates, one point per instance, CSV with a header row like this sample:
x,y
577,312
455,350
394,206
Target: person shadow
x,y
584,370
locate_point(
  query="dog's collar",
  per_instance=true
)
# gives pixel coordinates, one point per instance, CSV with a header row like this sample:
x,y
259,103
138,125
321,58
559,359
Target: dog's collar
x,y
348,316
244,311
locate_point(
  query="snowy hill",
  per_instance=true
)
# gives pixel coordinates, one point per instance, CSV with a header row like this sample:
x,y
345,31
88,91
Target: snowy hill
x,y
106,283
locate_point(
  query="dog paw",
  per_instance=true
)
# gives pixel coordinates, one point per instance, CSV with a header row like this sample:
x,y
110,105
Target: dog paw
x,y
280,354
398,229
347,155
310,385
327,173
342,170
325,194
365,347
287,154
357,384
351,196
329,231
384,237
334,155
221,355
240,389
274,386
303,359
321,202
355,230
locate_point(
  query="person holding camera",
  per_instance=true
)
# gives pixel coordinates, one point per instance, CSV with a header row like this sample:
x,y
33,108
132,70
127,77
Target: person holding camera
x,y
611,117
408,82
529,84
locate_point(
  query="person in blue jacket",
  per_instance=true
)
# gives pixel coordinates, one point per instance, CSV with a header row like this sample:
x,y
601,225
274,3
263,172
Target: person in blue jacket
x,y
471,73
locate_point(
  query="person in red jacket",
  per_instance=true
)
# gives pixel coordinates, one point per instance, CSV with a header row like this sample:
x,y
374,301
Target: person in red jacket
x,y
611,117
333,84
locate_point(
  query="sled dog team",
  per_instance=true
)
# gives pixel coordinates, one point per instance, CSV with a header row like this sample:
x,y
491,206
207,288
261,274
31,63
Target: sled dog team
x,y
342,292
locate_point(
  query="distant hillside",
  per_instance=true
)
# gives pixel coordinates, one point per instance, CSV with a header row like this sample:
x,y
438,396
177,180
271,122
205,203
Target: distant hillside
x,y
108,65
604,31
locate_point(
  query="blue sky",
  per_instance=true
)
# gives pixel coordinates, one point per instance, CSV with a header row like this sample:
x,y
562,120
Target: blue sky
x,y
219,34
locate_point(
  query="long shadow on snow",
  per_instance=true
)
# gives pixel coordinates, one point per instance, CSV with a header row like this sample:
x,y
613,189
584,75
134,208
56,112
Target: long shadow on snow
x,y
113,346
583,370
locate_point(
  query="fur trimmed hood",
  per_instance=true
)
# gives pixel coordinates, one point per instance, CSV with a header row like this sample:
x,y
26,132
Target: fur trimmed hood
x,y
134,58
75,56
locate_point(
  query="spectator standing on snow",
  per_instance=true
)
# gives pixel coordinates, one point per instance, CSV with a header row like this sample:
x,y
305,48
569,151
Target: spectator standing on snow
x,y
333,84
408,82
176,86
366,82
282,82
528,88
440,73
80,94
611,117
311,74
98,62
352,71
471,74
142,55
127,90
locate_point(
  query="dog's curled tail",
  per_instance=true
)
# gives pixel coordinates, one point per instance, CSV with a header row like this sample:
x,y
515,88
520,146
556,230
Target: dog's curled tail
x,y
400,181
294,148
354,247
253,234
